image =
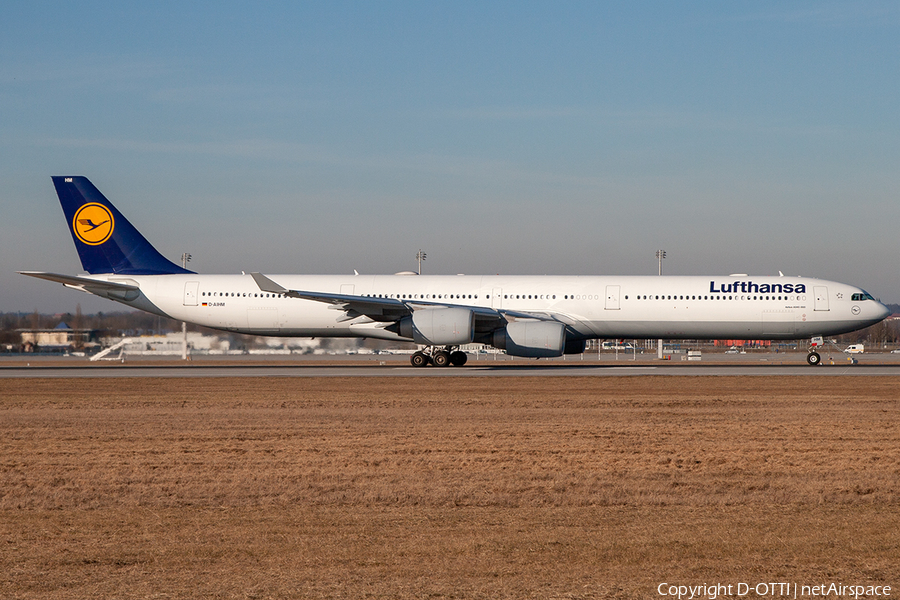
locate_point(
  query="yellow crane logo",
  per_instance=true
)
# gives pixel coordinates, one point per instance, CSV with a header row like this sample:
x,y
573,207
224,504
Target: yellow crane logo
x,y
93,224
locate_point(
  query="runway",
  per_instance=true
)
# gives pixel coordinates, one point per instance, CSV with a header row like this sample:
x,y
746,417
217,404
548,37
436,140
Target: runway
x,y
396,370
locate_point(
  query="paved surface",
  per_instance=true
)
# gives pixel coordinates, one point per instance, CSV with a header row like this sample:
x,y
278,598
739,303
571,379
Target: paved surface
x,y
394,368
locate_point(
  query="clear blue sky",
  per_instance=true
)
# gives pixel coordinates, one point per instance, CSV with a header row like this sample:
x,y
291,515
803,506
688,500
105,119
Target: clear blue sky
x,y
499,137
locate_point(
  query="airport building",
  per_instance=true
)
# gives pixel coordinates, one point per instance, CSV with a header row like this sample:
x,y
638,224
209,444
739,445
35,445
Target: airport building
x,y
60,338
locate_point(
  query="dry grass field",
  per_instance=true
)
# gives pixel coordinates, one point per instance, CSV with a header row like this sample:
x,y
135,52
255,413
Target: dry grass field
x,y
445,488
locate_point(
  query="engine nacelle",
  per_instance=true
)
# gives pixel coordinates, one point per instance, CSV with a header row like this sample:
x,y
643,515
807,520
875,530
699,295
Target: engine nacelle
x,y
532,339
439,326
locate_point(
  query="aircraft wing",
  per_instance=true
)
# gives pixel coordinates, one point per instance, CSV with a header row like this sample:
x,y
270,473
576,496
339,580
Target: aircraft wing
x,y
379,309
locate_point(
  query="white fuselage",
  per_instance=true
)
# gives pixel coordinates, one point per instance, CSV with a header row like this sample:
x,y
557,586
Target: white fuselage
x,y
720,307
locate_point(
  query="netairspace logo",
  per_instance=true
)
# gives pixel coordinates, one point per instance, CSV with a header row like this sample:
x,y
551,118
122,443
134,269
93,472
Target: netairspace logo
x,y
772,590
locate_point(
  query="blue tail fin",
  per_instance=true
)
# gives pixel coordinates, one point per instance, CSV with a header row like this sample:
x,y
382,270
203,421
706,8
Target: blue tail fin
x,y
105,240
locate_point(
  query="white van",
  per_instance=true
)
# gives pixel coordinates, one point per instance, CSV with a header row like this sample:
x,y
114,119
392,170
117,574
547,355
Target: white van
x,y
854,349
616,346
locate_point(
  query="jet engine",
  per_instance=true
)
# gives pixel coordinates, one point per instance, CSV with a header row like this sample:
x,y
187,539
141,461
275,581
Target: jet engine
x,y
532,339
439,326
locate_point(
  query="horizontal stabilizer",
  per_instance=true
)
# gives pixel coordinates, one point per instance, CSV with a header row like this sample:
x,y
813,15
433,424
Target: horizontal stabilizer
x,y
81,282
105,289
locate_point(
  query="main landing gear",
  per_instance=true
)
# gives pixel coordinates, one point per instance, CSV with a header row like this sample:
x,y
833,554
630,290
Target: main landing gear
x,y
439,357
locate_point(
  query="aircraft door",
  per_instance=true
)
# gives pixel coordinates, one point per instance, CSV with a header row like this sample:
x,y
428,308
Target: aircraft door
x,y
347,289
612,297
497,298
190,293
821,293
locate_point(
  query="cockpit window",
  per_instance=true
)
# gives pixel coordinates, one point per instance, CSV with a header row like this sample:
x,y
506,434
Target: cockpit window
x,y
860,297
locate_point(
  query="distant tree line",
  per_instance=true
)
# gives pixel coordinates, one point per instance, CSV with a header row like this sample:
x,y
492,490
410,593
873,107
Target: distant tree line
x,y
137,323
106,324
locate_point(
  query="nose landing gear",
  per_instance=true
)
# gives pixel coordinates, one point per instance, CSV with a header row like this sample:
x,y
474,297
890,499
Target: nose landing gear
x,y
813,357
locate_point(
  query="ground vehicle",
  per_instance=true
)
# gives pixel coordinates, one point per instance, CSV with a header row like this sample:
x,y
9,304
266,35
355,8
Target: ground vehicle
x,y
855,349
616,346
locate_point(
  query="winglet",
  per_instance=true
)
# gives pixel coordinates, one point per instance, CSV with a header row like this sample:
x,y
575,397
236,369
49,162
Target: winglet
x,y
267,285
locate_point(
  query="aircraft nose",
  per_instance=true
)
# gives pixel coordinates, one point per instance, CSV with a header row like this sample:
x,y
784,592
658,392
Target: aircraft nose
x,y
883,311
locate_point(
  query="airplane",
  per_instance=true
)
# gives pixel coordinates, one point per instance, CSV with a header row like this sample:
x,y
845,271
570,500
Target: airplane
x,y
525,316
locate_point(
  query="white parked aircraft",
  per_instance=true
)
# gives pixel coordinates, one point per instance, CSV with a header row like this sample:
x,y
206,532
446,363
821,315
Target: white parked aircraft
x,y
529,316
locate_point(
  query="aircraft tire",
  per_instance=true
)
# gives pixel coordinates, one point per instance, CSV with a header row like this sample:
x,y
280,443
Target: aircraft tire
x,y
441,358
419,359
813,358
458,358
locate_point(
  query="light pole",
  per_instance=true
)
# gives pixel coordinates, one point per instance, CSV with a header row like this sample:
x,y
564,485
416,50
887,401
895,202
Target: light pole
x,y
420,256
185,259
660,255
